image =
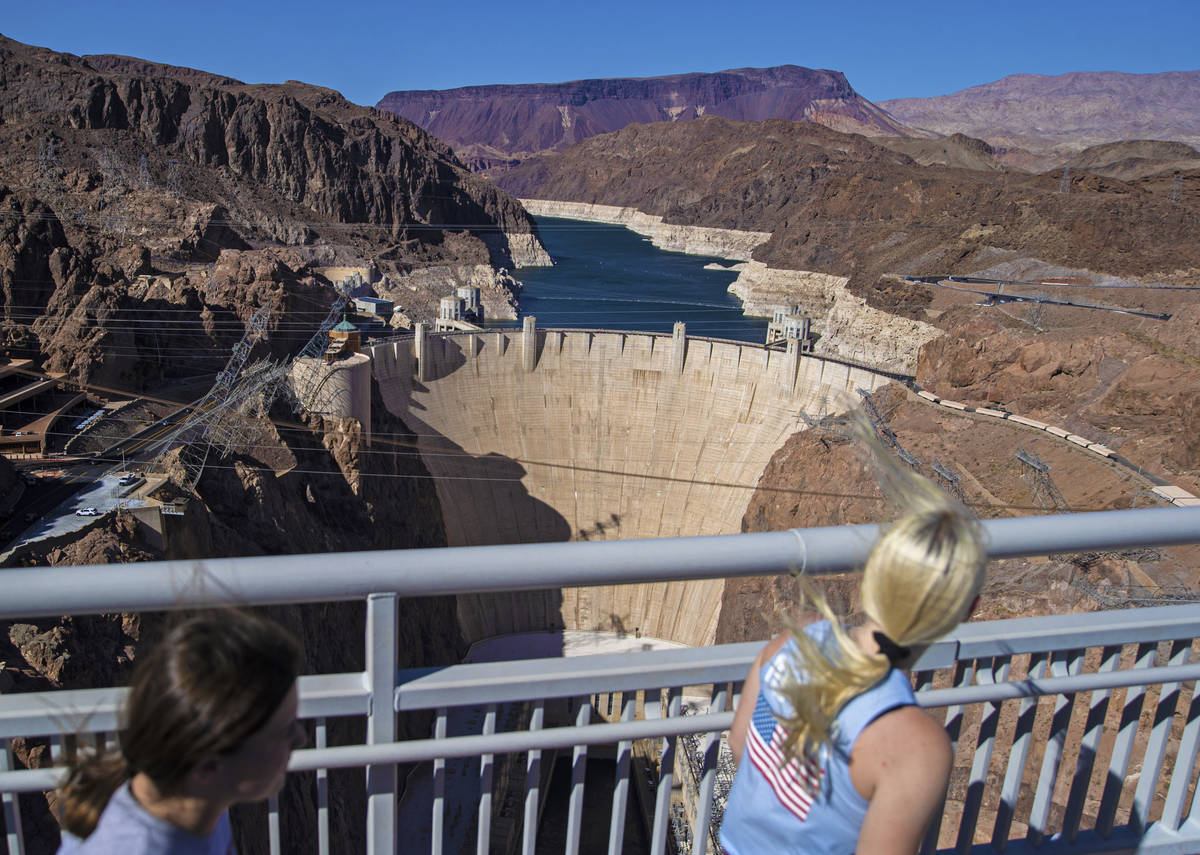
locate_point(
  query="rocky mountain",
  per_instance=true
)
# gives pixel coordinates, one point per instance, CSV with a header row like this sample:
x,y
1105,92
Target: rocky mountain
x,y
1131,160
955,150
842,204
491,126
1056,116
134,190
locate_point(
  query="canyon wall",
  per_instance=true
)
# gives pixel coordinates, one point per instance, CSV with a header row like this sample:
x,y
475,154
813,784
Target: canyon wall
x,y
578,435
847,326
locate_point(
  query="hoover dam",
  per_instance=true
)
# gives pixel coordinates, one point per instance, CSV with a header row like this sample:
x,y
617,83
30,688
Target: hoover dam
x,y
549,435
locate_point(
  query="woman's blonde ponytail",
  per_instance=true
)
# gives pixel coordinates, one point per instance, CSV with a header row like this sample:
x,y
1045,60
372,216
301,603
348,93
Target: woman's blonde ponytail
x,y
920,580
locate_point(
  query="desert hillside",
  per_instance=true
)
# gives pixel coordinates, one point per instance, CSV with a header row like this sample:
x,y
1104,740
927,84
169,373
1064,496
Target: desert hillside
x,y
843,204
1053,117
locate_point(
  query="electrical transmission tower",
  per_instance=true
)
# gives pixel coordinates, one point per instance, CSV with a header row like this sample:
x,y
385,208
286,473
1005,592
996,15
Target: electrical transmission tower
x,y
110,166
193,434
885,433
47,183
173,185
828,423
1177,189
233,415
951,482
1037,475
1064,186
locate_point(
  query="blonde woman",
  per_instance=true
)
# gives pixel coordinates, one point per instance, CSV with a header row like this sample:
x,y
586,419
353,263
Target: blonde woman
x,y
833,754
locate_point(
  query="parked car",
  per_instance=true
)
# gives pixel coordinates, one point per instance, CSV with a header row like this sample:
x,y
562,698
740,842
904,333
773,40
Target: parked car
x,y
127,479
87,512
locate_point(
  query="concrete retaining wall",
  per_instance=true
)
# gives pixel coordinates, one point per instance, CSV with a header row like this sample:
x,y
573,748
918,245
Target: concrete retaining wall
x,y
557,435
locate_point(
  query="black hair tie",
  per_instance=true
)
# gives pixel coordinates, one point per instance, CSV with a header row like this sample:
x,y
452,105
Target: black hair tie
x,y
893,651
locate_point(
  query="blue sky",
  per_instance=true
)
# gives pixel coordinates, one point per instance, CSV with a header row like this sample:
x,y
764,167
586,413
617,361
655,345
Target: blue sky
x,y
366,49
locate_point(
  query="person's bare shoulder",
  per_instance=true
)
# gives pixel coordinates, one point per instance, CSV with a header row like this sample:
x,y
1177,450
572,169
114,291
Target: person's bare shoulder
x,y
906,742
901,764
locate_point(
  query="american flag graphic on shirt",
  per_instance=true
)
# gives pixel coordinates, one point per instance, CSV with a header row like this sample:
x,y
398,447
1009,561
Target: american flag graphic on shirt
x,y
795,783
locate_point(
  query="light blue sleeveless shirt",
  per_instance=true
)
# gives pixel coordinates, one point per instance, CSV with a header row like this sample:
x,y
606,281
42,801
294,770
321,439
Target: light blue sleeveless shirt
x,y
808,805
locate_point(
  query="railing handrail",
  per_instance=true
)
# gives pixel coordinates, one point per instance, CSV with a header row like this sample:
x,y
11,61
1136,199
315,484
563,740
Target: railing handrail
x,y
686,667
346,694
258,580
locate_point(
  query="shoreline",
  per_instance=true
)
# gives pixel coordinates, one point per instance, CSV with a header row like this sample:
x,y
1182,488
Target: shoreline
x,y
848,327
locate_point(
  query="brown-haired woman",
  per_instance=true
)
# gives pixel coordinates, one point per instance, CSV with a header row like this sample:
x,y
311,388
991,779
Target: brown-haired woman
x,y
210,721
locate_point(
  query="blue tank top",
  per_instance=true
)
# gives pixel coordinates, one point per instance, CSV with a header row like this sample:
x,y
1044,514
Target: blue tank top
x,y
807,805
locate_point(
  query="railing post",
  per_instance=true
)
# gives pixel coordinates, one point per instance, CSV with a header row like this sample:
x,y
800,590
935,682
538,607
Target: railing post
x,y
12,807
437,819
321,741
666,779
533,783
486,763
708,781
578,777
381,721
616,833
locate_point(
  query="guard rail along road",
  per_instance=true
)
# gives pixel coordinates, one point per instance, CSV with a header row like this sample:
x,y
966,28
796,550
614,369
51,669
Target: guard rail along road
x,y
1074,733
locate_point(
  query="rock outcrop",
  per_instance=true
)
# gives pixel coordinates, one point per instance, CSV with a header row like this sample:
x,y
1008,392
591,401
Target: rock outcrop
x,y
1131,160
130,188
846,325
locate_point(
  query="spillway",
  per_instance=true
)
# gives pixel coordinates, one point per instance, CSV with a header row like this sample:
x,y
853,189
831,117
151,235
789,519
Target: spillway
x,y
541,435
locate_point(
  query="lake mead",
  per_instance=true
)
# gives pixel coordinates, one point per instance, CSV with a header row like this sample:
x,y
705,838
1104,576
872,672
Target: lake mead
x,y
608,277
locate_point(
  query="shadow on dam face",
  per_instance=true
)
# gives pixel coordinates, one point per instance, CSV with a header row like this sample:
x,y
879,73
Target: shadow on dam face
x,y
574,434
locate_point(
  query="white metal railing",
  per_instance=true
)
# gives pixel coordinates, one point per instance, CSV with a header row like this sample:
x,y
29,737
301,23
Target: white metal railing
x,y
1074,733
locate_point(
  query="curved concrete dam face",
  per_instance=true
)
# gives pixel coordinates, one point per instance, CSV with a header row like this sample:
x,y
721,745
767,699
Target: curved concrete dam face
x,y
542,435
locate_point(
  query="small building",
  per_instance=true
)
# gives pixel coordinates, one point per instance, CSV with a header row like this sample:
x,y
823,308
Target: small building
x,y
788,324
472,306
461,312
344,340
374,306
450,309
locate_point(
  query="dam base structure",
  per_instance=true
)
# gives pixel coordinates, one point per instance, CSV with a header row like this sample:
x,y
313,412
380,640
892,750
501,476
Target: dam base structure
x,y
553,435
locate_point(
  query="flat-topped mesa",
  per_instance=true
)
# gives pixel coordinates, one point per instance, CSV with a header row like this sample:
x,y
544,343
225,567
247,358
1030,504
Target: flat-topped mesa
x,y
493,126
546,435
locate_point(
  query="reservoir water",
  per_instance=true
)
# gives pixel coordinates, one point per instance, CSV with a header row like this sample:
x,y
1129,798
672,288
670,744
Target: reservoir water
x,y
608,277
